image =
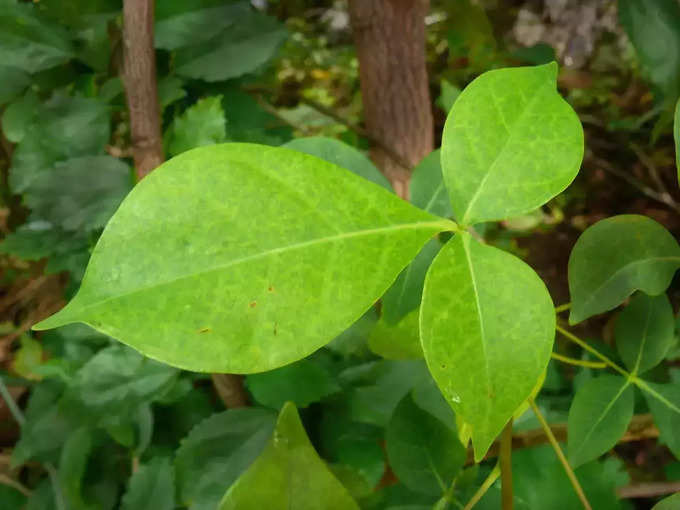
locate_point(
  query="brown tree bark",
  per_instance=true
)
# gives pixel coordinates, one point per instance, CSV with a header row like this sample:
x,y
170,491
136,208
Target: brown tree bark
x,y
139,77
390,41
141,90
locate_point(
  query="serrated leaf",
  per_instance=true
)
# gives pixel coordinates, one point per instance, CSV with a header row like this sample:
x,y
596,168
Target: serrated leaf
x,y
653,27
217,451
664,403
424,453
302,383
398,341
201,124
616,256
80,194
152,484
288,475
427,186
487,327
645,331
598,417
210,263
510,144
342,155
669,503
170,90
405,294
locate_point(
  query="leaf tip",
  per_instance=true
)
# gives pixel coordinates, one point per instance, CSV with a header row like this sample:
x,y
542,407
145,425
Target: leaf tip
x,y
61,318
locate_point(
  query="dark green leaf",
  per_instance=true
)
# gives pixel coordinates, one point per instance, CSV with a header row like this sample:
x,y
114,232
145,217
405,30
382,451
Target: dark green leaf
x,y
19,116
302,383
487,327
201,124
616,256
42,497
598,417
288,475
215,270
664,403
72,468
645,331
427,186
153,485
342,155
170,90
13,81
424,453
510,144
217,451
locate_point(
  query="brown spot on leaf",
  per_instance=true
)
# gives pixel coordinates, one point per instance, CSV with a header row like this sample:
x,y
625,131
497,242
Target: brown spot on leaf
x,y
204,330
253,304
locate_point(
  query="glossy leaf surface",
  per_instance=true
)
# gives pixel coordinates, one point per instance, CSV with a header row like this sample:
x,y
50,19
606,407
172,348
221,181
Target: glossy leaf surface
x,y
424,453
598,417
645,331
211,261
288,475
487,328
510,144
615,257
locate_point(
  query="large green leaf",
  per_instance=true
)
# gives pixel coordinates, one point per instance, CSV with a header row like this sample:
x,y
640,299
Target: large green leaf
x,y
341,154
653,27
615,257
424,453
217,451
664,403
239,258
152,484
510,144
288,475
487,327
201,124
598,417
29,43
645,331
669,503
427,186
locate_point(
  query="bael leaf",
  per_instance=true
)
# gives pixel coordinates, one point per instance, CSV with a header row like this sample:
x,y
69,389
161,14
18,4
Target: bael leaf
x,y
664,403
288,475
211,261
201,124
615,257
598,417
424,453
152,484
397,341
487,326
510,144
342,155
645,331
427,186
217,451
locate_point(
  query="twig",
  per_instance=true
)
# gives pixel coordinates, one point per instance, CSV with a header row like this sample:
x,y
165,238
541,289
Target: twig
x,y
11,404
486,485
10,482
505,460
578,362
560,455
654,173
591,350
648,490
562,308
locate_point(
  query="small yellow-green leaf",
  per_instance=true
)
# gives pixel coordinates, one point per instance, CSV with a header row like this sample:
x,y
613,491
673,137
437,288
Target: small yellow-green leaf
x,y
615,257
510,144
487,327
288,475
242,258
598,417
669,503
397,341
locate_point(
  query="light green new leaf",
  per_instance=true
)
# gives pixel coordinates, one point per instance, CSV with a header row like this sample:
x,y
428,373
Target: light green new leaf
x,y
487,326
510,144
598,417
664,403
616,256
152,484
427,186
288,475
217,451
397,341
645,331
201,124
242,258
424,453
342,155
669,503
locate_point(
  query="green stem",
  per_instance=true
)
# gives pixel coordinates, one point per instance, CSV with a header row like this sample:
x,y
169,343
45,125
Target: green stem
x,y
562,308
486,485
591,350
578,362
11,405
505,459
560,455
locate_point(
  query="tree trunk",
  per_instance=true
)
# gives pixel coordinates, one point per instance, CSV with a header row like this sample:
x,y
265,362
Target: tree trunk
x,y
139,77
390,40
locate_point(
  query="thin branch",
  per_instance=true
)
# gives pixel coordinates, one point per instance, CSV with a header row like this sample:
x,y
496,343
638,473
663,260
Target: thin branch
x,y
578,362
505,460
648,490
563,308
11,482
654,173
11,404
486,485
593,351
560,455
